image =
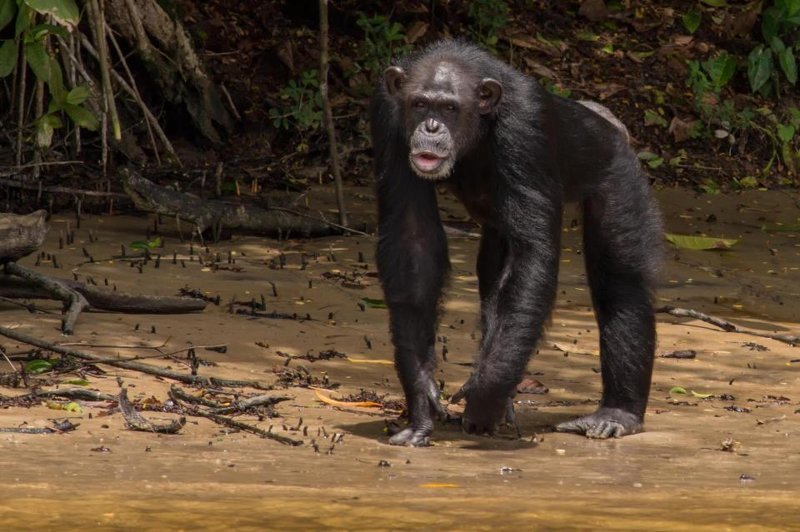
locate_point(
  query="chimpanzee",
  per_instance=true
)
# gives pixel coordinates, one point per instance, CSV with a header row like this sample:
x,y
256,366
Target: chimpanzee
x,y
513,154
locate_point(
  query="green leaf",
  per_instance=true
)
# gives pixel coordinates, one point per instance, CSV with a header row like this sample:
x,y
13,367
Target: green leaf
x,y
56,82
759,67
785,133
7,10
700,242
8,57
788,65
34,367
691,20
78,95
678,390
701,395
64,11
720,69
39,61
373,303
150,244
44,132
715,3
82,117
647,155
652,118
40,31
24,18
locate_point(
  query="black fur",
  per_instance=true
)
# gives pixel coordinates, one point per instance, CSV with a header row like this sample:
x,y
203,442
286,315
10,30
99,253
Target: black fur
x,y
516,161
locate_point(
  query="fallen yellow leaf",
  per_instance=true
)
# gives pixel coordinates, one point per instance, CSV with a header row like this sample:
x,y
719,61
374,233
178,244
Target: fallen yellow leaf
x,y
333,402
368,361
438,485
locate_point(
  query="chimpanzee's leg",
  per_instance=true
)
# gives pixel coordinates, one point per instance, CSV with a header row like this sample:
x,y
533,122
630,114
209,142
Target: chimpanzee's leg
x,y
413,264
491,259
622,241
518,287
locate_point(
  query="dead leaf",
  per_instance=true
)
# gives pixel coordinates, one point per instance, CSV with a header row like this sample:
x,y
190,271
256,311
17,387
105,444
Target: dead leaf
x,y
333,402
741,25
368,361
680,129
418,29
532,386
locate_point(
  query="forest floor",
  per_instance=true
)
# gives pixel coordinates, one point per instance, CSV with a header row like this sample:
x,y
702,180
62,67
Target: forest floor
x,y
722,455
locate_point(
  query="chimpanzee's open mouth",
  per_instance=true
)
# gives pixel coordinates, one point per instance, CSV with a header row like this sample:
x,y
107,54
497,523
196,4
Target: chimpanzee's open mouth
x,y
427,162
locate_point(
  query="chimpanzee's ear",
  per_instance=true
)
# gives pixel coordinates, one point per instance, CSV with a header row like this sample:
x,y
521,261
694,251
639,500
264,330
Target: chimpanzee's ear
x,y
394,77
489,93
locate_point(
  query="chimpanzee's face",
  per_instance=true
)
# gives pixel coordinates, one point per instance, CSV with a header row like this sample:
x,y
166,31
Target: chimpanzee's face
x,y
442,107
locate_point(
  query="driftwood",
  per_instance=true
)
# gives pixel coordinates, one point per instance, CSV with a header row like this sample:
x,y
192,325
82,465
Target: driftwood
x,y
214,214
135,421
104,299
21,235
74,302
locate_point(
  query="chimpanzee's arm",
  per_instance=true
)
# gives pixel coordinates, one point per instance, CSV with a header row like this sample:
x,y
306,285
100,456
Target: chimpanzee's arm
x,y
413,264
518,305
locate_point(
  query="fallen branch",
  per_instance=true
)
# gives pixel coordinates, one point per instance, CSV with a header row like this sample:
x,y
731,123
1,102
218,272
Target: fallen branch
x,y
252,402
104,299
74,302
214,214
58,427
727,326
134,366
222,420
136,421
79,394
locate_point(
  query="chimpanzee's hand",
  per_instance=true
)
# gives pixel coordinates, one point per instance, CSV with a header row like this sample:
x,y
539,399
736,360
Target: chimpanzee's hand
x,y
485,410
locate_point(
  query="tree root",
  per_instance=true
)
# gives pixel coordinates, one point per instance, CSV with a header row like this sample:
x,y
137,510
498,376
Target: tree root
x,y
103,299
74,302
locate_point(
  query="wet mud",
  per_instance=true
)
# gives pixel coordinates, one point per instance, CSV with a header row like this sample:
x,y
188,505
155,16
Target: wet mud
x,y
721,448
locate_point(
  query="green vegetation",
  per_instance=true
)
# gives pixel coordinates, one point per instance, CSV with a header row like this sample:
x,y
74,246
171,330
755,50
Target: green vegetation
x,y
36,37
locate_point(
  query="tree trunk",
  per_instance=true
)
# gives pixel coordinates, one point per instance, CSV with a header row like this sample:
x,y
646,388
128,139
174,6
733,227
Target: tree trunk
x,y
21,235
165,48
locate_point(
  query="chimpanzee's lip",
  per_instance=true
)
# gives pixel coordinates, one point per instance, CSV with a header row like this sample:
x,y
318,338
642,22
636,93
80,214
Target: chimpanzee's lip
x,y
427,161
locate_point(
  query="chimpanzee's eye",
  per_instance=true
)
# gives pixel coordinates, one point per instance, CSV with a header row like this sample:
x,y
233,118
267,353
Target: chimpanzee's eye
x,y
450,107
419,104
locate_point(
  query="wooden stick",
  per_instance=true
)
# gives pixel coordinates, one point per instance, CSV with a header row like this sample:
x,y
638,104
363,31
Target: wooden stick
x,y
326,107
791,339
134,366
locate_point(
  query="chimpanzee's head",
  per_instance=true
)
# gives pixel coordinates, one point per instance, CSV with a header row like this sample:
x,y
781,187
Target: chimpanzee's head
x,y
443,104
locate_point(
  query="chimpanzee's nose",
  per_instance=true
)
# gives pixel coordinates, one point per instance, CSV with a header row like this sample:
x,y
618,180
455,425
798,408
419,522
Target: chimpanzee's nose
x,y
432,126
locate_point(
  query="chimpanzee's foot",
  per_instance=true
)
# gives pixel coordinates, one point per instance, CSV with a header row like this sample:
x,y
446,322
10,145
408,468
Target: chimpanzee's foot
x,y
412,437
421,415
604,423
484,413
